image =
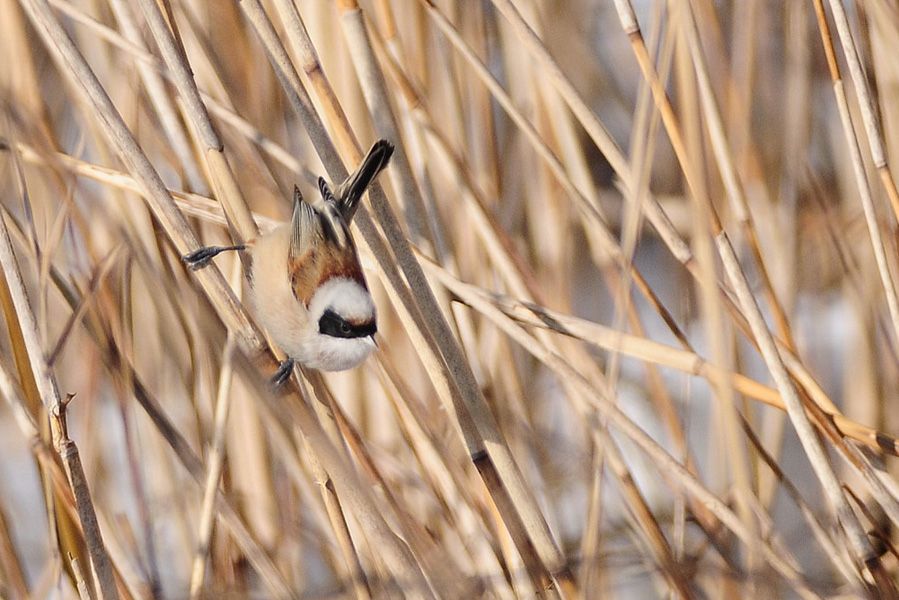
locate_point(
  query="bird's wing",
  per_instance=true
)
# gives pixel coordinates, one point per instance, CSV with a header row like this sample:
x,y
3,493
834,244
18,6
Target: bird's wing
x,y
304,226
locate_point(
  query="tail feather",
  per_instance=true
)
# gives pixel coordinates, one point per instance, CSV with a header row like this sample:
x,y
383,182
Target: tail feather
x,y
351,190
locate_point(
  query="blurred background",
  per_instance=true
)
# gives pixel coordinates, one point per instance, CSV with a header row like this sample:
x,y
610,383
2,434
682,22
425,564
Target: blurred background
x,y
608,255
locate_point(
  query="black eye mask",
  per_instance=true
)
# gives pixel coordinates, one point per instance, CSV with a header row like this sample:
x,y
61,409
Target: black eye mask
x,y
334,325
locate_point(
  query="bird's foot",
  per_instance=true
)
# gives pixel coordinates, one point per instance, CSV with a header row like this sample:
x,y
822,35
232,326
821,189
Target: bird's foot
x,y
282,374
200,258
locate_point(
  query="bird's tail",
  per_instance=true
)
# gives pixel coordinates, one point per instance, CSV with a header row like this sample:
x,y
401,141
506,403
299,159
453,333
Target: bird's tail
x,y
351,190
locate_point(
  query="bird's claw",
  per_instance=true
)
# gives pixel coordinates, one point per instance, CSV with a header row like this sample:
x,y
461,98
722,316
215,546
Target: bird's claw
x,y
198,259
285,369
201,257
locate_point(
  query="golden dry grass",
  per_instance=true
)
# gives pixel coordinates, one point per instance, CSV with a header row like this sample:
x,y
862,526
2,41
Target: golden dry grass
x,y
636,280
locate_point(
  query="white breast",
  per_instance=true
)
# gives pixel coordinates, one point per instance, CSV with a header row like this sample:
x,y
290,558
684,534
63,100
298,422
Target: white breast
x,y
275,307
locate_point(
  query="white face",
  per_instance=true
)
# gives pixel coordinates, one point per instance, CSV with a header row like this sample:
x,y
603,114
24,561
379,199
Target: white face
x,y
343,315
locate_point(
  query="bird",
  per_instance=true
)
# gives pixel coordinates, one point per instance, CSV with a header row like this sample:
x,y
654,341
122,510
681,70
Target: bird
x,y
306,285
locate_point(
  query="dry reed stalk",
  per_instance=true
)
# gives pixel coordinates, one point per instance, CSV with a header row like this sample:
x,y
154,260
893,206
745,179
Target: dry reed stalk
x,y
147,177
440,473
838,558
57,475
174,223
852,143
194,466
214,470
153,189
333,508
224,185
732,184
830,406
592,216
690,363
494,452
517,280
53,405
439,563
121,366
684,360
491,234
861,548
654,213
655,538
168,113
13,576
647,350
83,591
621,422
68,452
869,112
736,456
337,521
534,522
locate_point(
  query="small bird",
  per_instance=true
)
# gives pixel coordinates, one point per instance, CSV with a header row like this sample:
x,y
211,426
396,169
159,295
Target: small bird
x,y
306,284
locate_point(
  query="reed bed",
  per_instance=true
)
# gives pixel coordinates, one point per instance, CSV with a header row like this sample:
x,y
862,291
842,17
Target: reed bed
x,y
636,274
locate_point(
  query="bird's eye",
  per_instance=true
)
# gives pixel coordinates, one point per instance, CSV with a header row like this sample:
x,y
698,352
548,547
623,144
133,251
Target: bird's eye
x,y
330,323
